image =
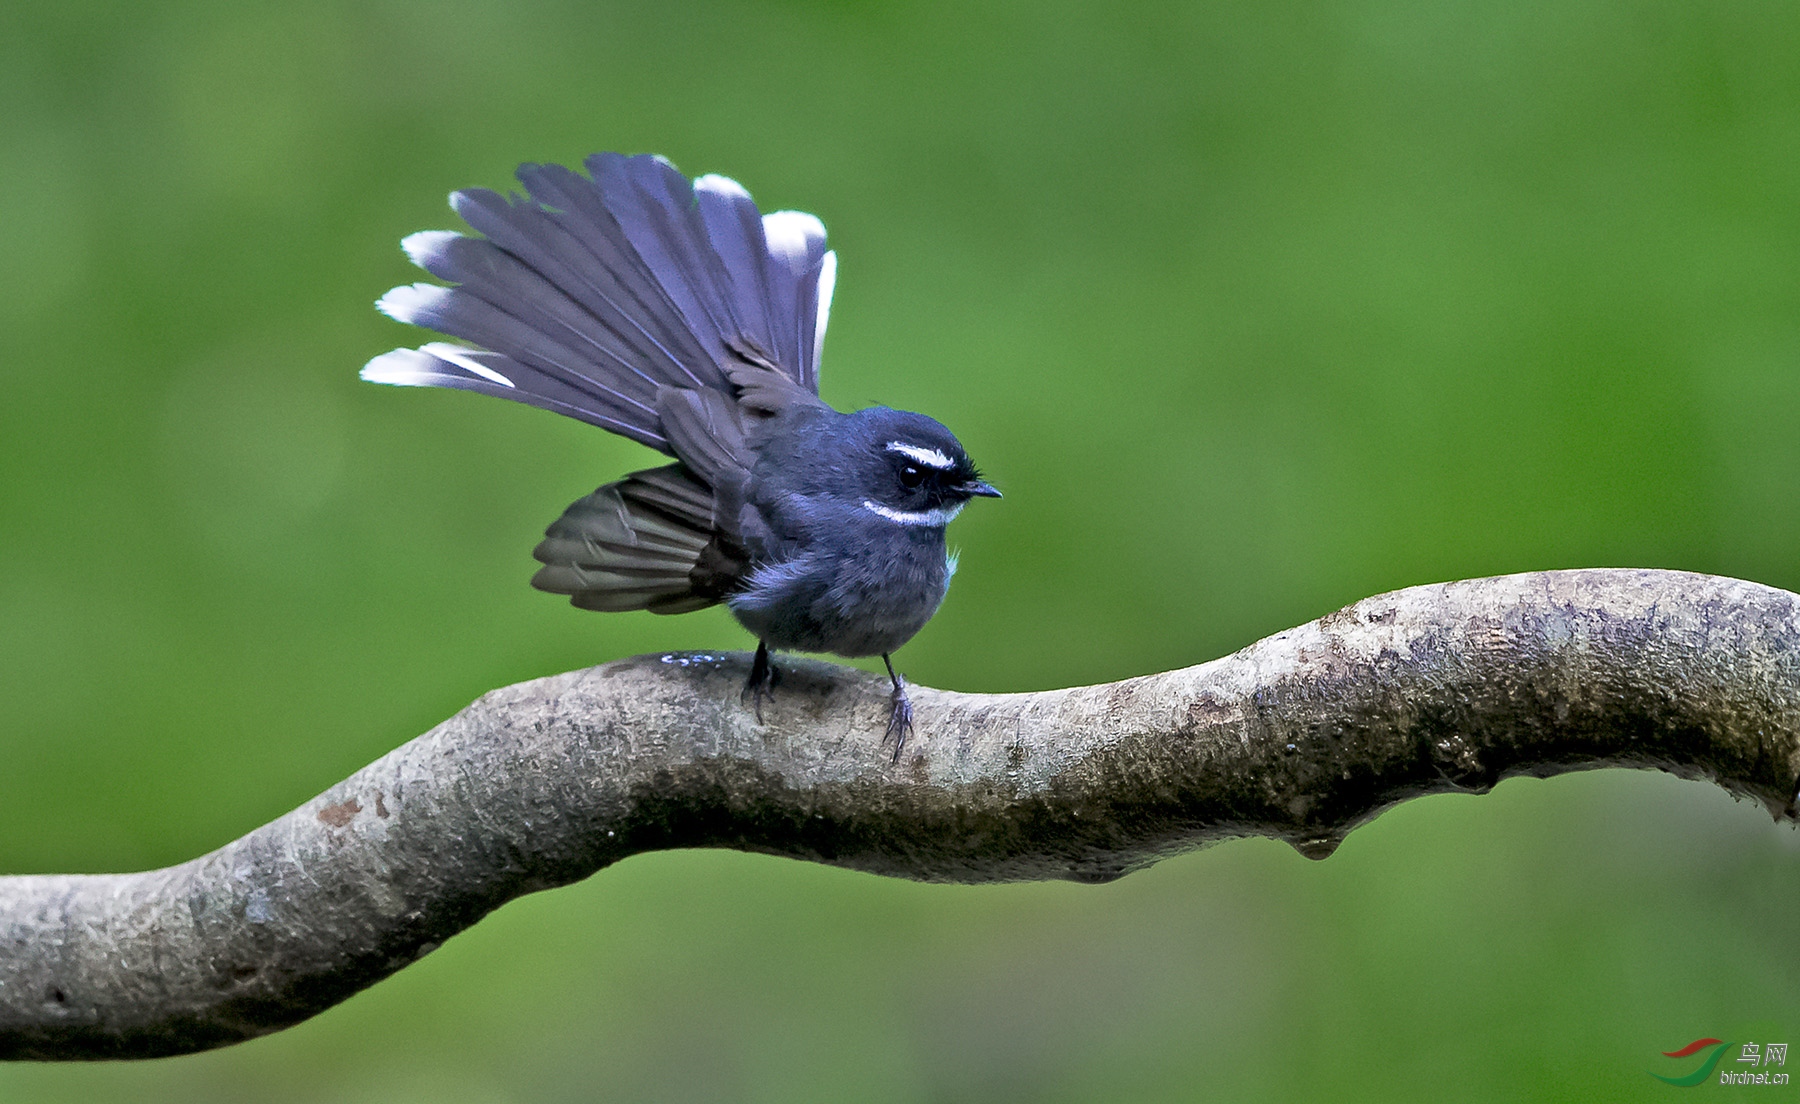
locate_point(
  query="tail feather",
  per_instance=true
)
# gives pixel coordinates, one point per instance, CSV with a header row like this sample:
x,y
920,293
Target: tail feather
x,y
658,210
516,290
585,255
804,274
594,296
734,227
573,203
534,363
455,366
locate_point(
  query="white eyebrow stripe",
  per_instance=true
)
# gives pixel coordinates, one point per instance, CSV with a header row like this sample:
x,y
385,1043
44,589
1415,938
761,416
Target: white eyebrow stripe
x,y
936,518
929,457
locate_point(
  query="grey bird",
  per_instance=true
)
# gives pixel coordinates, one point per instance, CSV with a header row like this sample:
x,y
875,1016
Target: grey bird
x,y
678,315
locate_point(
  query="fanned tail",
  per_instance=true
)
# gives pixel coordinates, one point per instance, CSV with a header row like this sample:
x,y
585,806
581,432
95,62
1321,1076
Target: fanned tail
x,y
589,296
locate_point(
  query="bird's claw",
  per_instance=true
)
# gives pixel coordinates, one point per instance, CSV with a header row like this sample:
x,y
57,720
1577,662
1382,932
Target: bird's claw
x,y
900,718
760,686
754,696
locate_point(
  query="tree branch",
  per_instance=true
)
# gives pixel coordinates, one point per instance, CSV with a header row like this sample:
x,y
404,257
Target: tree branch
x,y
1300,737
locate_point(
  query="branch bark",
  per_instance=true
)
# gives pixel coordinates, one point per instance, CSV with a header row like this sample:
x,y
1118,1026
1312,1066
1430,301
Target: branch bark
x,y
1300,737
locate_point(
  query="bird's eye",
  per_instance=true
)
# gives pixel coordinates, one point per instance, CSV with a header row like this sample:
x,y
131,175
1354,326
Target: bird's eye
x,y
911,476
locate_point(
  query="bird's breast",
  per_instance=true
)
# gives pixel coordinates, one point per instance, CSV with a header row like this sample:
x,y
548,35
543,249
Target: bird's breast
x,y
856,590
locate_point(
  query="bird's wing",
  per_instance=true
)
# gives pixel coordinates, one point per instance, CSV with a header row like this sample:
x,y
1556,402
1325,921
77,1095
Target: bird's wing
x,y
592,295
645,542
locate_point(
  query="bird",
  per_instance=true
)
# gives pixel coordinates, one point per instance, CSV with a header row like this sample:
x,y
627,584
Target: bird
x,y
674,313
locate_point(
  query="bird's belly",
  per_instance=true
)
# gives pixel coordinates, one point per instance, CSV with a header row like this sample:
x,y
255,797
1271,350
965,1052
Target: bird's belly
x,y
850,606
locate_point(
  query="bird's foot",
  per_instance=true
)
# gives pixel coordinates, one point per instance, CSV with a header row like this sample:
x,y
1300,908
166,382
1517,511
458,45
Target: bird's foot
x,y
760,686
900,712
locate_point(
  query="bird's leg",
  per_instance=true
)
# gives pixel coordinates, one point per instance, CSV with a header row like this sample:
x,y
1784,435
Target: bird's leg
x,y
762,680
900,713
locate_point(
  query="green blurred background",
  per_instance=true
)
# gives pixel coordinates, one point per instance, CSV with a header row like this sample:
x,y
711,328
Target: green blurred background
x,y
1253,309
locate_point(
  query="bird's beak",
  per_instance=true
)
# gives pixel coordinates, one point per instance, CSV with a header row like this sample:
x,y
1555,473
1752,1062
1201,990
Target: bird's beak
x,y
976,488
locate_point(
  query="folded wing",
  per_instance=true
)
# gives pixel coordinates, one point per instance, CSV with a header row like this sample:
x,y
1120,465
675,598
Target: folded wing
x,y
644,542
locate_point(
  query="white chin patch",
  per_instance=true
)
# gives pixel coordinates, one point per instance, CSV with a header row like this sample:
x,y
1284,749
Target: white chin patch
x,y
935,519
929,457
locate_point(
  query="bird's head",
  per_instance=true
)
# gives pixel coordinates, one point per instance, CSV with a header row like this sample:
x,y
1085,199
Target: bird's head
x,y
910,469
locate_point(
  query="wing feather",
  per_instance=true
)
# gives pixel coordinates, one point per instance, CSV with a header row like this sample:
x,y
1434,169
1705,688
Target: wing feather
x,y
645,542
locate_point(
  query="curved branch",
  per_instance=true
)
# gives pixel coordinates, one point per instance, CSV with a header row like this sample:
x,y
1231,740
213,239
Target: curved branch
x,y
1300,736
